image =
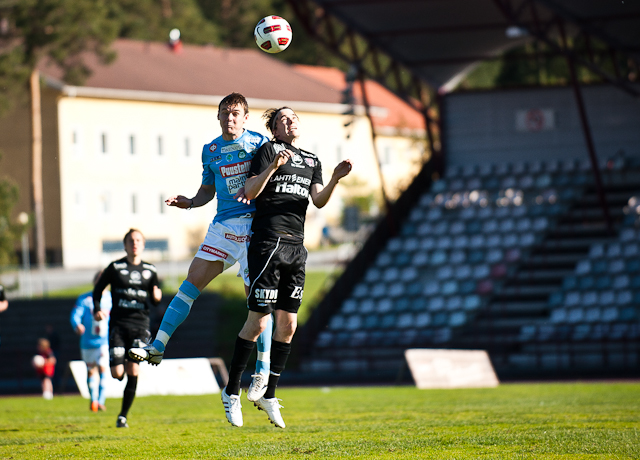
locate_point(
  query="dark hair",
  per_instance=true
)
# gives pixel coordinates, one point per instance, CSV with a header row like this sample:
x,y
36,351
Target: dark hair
x,y
270,116
234,99
132,230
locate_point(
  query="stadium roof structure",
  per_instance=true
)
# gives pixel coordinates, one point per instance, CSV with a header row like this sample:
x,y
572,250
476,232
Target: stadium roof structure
x,y
420,49
439,40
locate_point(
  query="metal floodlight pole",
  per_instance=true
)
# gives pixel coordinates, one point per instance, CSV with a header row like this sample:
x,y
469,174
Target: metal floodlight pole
x,y
586,129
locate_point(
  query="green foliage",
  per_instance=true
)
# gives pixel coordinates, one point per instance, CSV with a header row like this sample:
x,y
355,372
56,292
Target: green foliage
x,y
9,232
152,20
57,30
536,64
524,421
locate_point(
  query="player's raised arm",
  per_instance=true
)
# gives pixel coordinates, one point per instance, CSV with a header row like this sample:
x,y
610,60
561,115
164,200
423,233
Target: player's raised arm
x,y
204,195
321,195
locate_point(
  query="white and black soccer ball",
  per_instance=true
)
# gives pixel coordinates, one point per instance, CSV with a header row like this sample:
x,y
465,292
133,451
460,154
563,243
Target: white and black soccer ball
x,y
273,34
38,361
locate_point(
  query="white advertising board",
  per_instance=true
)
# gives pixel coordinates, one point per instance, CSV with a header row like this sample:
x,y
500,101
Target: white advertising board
x,y
437,368
189,376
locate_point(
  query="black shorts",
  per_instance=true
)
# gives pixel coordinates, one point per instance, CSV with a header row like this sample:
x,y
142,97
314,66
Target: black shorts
x,y
122,339
276,273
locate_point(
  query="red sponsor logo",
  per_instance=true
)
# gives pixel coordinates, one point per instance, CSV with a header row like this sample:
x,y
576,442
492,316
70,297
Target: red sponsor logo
x,y
237,238
215,252
213,147
235,169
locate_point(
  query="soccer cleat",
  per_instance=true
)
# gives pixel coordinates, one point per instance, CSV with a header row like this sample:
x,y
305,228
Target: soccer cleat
x,y
147,353
122,422
232,407
95,406
258,387
272,408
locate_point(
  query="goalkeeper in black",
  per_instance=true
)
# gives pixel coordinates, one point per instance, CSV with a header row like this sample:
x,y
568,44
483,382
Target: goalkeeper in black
x,y
281,180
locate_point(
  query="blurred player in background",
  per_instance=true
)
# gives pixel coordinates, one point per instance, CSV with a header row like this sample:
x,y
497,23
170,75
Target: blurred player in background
x,y
282,177
94,343
4,303
45,365
225,163
134,286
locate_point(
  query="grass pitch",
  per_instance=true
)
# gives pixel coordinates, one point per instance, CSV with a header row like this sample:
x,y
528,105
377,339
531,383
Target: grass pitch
x,y
513,421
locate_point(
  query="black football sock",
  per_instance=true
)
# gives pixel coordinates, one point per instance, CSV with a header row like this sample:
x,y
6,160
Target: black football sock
x,y
129,394
241,354
280,351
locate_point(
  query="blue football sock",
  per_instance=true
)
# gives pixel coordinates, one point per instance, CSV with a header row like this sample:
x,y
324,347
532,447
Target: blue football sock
x,y
92,383
176,313
264,349
102,394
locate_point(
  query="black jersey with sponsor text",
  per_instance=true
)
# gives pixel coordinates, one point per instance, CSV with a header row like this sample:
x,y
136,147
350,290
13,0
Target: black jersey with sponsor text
x,y
131,292
282,205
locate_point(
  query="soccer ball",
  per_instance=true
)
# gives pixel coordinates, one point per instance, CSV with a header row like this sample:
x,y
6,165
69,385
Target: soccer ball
x,y
273,34
38,361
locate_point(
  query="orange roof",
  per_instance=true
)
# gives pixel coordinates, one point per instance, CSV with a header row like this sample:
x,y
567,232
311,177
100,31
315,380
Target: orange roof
x,y
202,70
399,113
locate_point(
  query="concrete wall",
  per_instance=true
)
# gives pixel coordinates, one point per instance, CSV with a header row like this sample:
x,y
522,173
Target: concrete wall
x,y
483,126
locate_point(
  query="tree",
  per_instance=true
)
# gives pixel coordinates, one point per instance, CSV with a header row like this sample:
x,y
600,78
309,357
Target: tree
x,y
59,31
9,232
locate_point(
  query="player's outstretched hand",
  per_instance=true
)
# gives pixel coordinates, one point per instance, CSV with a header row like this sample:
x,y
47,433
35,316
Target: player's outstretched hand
x,y
241,197
179,201
343,169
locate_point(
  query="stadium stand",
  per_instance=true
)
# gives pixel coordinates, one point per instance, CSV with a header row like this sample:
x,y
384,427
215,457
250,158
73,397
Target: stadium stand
x,y
514,258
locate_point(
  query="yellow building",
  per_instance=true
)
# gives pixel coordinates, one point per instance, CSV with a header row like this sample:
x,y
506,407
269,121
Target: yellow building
x,y
117,147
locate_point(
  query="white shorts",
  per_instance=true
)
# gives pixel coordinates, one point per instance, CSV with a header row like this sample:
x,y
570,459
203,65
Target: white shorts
x,y
228,241
93,356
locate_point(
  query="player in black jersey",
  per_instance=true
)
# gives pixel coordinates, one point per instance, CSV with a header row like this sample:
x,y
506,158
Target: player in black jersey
x,y
134,286
281,180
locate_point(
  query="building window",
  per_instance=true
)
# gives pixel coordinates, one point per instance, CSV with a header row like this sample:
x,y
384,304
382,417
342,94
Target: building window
x,y
132,144
187,148
103,143
339,153
105,200
162,204
160,146
134,204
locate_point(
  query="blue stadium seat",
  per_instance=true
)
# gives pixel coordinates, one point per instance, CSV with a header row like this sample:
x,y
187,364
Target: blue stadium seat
x,y
559,315
472,302
422,320
384,305
436,303
457,319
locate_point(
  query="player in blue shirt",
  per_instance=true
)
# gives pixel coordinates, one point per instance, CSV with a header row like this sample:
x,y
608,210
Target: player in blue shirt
x,y
94,343
225,163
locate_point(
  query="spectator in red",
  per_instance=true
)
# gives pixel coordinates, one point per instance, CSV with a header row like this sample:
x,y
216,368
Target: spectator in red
x,y
45,364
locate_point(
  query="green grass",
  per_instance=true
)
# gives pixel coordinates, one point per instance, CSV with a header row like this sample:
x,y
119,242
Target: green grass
x,y
515,421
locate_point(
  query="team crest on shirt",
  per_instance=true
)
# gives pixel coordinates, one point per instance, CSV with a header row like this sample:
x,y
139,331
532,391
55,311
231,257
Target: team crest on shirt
x,y
242,154
310,162
213,148
296,161
146,274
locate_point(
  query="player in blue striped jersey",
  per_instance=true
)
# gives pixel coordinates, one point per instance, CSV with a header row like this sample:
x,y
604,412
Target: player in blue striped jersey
x,y
225,162
94,343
